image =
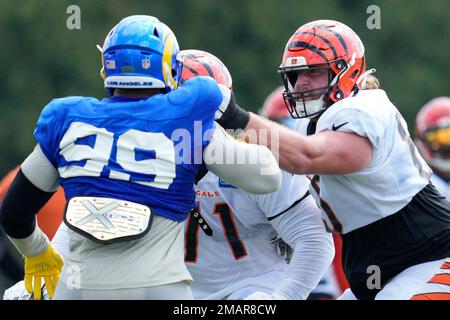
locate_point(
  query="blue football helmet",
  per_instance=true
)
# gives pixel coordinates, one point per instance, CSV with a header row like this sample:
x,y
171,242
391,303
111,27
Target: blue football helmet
x,y
141,52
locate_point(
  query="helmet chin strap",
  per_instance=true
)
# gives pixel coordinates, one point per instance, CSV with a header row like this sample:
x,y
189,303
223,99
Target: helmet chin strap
x,y
361,82
311,108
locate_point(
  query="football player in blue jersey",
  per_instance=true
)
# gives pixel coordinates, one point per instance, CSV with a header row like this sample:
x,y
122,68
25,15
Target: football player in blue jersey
x,y
127,164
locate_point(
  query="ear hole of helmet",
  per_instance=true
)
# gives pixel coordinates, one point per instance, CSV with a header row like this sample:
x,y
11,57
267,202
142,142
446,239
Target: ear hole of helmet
x,y
354,73
111,32
155,32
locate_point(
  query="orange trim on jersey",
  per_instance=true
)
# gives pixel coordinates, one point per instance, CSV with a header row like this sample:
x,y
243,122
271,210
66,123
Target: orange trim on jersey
x,y
337,263
446,266
326,208
441,278
431,296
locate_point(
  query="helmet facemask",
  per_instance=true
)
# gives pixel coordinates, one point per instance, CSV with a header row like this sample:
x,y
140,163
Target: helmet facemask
x,y
326,44
311,102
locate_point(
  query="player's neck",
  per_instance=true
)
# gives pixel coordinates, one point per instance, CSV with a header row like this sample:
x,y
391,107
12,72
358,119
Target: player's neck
x,y
137,93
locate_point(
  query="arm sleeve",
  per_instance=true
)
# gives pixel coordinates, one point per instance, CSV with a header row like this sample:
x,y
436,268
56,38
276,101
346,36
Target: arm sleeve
x,y
250,167
17,215
301,227
33,186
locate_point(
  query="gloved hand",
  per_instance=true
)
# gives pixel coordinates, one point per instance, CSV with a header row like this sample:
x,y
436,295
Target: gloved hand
x,y
47,265
259,295
283,249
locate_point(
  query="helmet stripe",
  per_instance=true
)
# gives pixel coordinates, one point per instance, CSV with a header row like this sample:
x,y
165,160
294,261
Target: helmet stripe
x,y
191,70
167,61
341,40
330,45
308,46
208,69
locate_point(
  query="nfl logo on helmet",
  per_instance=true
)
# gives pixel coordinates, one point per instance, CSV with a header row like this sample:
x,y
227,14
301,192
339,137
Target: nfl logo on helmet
x,y
145,63
110,64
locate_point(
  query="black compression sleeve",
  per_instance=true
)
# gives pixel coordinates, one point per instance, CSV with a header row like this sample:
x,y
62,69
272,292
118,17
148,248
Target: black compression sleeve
x,y
234,117
20,205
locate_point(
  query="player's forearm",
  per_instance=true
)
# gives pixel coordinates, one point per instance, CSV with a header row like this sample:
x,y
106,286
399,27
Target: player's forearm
x,y
33,245
309,262
302,228
32,187
294,153
301,154
17,216
263,132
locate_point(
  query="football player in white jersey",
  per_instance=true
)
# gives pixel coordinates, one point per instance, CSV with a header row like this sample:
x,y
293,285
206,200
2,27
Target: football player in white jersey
x,y
375,188
433,140
236,258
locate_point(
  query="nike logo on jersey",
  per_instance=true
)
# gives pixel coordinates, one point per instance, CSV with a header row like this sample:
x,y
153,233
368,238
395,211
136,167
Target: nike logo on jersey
x,y
335,128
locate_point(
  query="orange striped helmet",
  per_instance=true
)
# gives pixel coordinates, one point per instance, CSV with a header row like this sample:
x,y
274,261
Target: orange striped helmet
x,y
201,63
322,44
433,133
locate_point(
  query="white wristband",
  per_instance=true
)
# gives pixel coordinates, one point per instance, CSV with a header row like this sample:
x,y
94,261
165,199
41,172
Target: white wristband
x,y
33,245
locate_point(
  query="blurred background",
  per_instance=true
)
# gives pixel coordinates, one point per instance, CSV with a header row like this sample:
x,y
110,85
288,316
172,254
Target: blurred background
x,y
41,58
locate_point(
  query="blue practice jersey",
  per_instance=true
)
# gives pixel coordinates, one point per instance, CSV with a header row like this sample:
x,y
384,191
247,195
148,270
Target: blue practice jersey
x,y
146,151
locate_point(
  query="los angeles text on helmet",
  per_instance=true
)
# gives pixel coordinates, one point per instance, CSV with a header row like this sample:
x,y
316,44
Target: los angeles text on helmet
x,y
130,84
223,153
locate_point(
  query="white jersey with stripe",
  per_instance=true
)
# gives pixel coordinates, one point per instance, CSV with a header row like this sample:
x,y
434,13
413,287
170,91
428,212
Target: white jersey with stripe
x,y
240,246
396,173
